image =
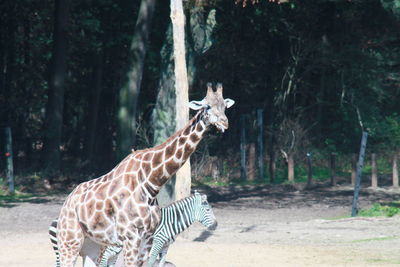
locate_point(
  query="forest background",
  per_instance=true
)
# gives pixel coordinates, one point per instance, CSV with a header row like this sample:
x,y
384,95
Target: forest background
x,y
321,72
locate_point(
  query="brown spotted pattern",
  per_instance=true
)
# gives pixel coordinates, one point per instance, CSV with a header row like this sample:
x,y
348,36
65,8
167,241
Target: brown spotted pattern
x,y
119,207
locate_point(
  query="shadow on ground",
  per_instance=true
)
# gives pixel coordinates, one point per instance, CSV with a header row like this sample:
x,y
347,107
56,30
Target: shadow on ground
x,y
282,196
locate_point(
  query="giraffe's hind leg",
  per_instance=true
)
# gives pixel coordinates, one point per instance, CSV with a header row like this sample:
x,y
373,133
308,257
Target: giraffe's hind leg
x,y
69,252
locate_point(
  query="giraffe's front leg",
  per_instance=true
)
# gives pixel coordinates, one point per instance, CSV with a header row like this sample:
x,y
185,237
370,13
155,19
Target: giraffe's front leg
x,y
70,241
131,252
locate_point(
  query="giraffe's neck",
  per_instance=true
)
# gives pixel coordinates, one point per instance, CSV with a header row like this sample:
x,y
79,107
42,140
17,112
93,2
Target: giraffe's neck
x,y
178,148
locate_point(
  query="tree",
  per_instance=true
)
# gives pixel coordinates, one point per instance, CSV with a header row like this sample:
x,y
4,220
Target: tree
x,y
183,176
129,93
291,139
199,40
55,104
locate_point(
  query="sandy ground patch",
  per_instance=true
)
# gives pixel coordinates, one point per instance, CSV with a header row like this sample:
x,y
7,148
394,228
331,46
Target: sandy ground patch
x,y
260,226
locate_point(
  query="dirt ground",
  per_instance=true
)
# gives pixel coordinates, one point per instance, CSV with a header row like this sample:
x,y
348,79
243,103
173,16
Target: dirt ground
x,y
257,226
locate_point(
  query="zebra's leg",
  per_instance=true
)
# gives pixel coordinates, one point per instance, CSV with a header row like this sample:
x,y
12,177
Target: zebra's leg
x,y
108,255
155,249
163,255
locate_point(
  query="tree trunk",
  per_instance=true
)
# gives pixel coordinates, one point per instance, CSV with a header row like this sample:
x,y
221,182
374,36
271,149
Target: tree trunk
x,y
129,93
374,171
272,168
199,38
270,145
9,159
164,108
333,169
395,172
309,171
183,176
54,109
260,144
290,163
252,162
243,171
8,54
93,109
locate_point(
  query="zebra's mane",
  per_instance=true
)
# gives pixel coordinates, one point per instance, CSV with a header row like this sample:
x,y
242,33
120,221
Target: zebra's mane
x,y
185,200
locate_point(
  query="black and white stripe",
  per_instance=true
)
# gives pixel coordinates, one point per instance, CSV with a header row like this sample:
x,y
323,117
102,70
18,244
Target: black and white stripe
x,y
54,240
176,218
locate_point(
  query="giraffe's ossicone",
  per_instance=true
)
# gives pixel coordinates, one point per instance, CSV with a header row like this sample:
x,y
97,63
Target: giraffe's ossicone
x,y
120,206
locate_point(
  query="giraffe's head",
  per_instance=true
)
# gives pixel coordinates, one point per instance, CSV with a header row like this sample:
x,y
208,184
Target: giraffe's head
x,y
214,106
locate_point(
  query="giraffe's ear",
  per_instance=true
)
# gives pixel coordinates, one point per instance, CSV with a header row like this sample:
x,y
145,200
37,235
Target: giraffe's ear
x,y
229,102
196,105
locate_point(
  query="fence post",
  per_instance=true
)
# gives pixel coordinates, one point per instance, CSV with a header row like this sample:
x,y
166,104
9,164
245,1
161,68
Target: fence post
x,y
395,173
251,162
243,174
354,209
374,171
9,159
309,171
353,168
333,169
260,144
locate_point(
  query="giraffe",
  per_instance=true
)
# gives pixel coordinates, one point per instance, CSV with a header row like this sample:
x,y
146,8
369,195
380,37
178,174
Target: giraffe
x,y
119,208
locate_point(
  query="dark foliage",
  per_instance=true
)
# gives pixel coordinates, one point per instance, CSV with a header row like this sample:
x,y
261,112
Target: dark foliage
x,y
334,64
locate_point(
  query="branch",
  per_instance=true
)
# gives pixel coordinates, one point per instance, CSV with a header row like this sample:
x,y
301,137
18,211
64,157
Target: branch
x,y
293,141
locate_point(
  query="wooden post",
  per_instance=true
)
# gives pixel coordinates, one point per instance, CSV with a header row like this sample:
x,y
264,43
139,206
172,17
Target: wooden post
x,y
333,169
9,159
309,171
272,168
374,171
290,165
353,168
183,176
354,209
252,162
395,171
260,144
243,174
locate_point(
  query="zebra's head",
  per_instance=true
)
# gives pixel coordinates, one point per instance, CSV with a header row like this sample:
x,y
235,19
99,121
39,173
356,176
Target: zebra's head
x,y
205,214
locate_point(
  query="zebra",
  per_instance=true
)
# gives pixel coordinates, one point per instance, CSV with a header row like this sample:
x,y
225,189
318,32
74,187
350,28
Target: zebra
x,y
90,250
54,240
175,218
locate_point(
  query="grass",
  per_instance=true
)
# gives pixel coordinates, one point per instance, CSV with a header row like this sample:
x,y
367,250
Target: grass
x,y
208,180
375,239
388,210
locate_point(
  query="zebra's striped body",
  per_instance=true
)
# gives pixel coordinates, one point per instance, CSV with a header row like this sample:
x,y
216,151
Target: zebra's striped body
x,y
175,218
91,252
